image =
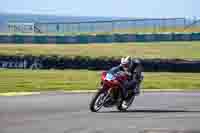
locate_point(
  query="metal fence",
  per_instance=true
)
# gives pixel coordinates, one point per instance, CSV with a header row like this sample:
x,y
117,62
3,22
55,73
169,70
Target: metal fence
x,y
135,25
113,26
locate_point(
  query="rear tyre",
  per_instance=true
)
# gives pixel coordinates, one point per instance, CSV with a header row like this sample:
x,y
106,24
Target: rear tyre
x,y
98,100
129,101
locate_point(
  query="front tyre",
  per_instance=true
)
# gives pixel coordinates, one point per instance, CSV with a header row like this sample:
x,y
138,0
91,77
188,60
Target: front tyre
x,y
98,100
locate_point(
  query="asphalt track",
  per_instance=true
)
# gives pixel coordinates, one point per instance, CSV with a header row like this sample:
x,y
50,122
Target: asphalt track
x,y
69,113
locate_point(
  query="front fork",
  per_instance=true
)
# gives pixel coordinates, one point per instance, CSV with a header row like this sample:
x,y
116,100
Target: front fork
x,y
106,91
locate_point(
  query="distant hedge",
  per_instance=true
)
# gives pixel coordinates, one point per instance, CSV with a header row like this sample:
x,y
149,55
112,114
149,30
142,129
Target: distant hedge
x,y
104,63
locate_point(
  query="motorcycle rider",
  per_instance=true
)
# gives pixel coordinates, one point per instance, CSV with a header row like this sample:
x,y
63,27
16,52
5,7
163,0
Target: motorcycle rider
x,y
133,68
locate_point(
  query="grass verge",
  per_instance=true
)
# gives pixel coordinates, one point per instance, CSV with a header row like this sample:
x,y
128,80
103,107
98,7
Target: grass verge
x,y
51,80
182,50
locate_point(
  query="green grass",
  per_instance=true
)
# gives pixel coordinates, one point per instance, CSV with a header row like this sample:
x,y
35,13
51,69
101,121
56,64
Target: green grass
x,y
184,50
42,80
51,80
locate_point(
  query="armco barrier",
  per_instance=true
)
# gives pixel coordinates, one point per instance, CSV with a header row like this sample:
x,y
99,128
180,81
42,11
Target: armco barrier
x,y
28,39
195,36
140,38
41,39
103,39
5,39
124,38
71,39
82,39
52,39
18,39
181,37
100,38
163,37
150,37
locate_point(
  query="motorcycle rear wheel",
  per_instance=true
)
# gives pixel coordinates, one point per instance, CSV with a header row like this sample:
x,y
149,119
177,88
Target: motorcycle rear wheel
x,y
129,101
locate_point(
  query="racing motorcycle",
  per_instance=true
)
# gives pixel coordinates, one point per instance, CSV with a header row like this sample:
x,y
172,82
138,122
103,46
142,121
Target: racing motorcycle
x,y
110,93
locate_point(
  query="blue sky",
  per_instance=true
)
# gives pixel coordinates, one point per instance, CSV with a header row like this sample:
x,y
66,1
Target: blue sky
x,y
117,8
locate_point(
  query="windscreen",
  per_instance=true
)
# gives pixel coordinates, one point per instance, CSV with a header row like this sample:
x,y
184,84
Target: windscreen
x,y
114,70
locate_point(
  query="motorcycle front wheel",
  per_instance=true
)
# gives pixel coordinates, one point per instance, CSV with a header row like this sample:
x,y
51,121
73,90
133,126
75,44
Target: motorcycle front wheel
x,y
98,100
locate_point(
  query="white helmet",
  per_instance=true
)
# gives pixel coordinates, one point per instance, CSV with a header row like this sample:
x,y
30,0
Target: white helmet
x,y
126,63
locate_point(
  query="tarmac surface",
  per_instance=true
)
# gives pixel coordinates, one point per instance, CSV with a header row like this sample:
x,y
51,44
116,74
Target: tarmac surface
x,y
167,112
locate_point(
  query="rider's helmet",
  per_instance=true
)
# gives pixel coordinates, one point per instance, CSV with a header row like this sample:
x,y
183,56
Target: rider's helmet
x,y
126,63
